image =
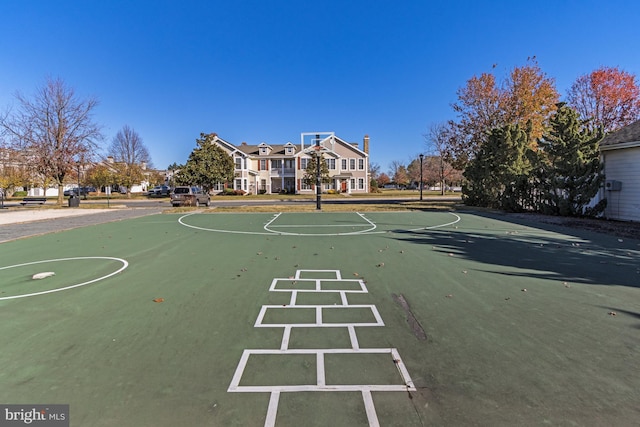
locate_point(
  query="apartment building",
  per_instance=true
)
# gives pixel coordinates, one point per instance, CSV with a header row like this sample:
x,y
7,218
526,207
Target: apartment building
x,y
268,168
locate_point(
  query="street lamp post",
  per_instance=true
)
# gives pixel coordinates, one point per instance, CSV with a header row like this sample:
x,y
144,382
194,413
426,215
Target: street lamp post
x,y
421,157
78,164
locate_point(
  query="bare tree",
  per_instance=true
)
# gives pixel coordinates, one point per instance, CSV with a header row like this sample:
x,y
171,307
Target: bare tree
x,y
438,140
398,172
130,156
127,147
55,130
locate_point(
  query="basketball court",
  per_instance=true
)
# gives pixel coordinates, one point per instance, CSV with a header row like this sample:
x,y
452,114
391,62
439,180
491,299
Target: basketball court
x,y
323,319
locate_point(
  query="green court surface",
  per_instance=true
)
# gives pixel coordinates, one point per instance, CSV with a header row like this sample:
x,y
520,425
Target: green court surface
x,y
324,319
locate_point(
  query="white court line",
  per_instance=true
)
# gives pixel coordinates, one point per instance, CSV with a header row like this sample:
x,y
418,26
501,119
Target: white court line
x,y
320,377
343,297
272,412
407,382
272,232
180,220
125,264
402,369
366,219
319,322
294,295
370,408
272,219
268,227
319,225
432,227
285,338
353,337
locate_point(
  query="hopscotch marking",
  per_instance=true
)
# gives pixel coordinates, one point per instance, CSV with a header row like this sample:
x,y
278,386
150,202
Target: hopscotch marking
x,y
315,285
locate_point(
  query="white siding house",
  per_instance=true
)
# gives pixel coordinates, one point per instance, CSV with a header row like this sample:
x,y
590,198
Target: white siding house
x,y
621,156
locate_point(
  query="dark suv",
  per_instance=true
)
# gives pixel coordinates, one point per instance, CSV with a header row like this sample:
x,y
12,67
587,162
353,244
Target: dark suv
x,y
189,196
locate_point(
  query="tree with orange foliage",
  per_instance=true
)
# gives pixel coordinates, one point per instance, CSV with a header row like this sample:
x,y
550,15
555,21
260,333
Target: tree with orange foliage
x,y
479,110
529,95
608,98
526,95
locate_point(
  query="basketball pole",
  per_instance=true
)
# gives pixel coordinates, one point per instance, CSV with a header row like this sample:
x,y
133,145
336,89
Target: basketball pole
x,y
318,189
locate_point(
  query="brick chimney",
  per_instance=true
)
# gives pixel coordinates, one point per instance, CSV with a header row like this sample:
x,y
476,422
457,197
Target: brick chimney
x,y
365,144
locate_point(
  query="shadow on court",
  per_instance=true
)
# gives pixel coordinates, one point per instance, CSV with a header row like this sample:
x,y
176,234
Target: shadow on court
x,y
542,253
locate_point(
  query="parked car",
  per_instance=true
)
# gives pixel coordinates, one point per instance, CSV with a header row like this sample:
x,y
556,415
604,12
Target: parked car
x,y
189,196
159,191
83,191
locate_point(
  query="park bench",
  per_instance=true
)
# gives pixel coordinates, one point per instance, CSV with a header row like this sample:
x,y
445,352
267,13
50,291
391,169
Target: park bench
x,y
33,201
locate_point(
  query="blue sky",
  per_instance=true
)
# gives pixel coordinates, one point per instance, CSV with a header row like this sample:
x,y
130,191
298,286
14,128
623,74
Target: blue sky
x,y
258,71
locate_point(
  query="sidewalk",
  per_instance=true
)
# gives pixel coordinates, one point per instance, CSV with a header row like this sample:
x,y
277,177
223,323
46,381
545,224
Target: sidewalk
x,y
14,216
17,224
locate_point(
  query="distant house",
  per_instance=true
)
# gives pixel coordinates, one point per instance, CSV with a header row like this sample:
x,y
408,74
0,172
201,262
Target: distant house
x,y
621,157
276,168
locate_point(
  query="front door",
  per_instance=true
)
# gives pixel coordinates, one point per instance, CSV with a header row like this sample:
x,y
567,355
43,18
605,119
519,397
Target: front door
x,y
343,186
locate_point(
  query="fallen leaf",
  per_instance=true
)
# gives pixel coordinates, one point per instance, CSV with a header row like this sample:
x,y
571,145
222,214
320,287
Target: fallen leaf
x,y
158,300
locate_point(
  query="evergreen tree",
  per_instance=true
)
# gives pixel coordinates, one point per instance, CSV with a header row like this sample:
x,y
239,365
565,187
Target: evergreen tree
x,y
208,165
570,173
499,174
310,173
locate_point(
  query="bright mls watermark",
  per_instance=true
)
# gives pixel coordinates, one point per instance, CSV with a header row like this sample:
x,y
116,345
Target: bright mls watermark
x,y
34,415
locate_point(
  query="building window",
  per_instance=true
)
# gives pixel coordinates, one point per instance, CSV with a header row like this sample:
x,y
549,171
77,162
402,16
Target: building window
x,y
360,183
344,164
352,164
353,183
305,186
263,184
244,182
276,164
238,184
238,162
289,163
361,164
263,164
331,164
304,162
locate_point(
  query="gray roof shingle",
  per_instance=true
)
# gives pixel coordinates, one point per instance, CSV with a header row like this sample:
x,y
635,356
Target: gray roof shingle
x,y
629,133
